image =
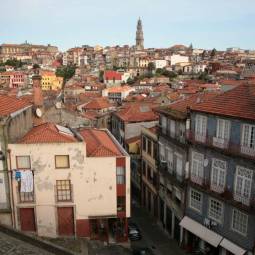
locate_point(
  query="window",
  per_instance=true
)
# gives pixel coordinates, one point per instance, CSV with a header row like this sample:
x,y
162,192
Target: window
x,y
215,210
149,147
64,192
121,204
155,150
179,166
218,174
23,162
172,128
164,124
200,127
239,222
62,161
170,159
248,137
144,143
161,152
223,128
195,200
243,183
197,166
120,175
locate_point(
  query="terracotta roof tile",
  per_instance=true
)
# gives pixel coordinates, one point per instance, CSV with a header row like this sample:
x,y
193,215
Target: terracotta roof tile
x,y
99,143
47,133
97,104
10,105
110,75
238,103
137,112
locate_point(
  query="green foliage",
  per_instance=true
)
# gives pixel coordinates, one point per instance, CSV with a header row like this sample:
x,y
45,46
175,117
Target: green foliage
x,y
101,76
36,66
164,72
12,62
213,52
66,72
130,81
151,67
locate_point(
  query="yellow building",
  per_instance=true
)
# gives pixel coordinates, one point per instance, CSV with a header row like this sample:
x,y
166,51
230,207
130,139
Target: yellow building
x,y
50,81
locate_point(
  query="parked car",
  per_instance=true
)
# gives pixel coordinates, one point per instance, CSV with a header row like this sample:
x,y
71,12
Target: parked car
x,y
134,232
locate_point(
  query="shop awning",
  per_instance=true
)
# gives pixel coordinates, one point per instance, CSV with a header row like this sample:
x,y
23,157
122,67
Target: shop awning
x,y
202,232
237,250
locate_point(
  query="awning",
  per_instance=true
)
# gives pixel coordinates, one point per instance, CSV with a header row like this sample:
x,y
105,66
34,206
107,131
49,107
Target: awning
x,y
225,243
202,232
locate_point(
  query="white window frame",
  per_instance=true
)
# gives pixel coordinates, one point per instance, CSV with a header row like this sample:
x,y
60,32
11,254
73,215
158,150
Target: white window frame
x,y
201,125
197,166
179,170
244,233
172,128
164,124
243,192
220,174
223,129
212,213
162,149
248,136
201,200
170,159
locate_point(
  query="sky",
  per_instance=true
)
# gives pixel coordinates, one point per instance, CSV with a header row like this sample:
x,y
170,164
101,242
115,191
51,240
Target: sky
x,y
68,23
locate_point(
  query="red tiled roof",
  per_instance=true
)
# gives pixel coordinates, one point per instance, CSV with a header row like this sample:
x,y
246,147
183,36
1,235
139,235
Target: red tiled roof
x,y
238,102
10,105
47,133
182,105
99,143
137,112
110,75
97,104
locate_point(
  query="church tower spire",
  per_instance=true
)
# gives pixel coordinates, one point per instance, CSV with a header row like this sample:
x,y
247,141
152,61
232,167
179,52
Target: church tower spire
x,y
139,35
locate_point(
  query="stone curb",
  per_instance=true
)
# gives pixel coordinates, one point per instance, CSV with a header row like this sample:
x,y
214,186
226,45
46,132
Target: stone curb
x,y
36,241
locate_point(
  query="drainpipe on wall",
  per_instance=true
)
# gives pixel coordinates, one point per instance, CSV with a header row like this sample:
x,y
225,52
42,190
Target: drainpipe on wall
x,y
8,169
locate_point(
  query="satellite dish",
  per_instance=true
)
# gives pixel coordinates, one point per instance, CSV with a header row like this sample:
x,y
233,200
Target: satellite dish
x,y
58,105
206,162
38,113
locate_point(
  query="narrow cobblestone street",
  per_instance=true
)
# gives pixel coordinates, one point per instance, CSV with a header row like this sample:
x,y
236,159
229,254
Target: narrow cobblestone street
x,y
152,235
13,246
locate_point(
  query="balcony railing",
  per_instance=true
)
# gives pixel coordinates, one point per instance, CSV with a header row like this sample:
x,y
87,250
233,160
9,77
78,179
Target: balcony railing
x,y
25,197
197,179
220,143
242,199
227,146
217,188
200,138
248,151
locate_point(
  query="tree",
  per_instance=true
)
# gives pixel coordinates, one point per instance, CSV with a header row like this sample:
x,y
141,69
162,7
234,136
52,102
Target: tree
x,y
66,72
213,53
101,76
130,81
151,67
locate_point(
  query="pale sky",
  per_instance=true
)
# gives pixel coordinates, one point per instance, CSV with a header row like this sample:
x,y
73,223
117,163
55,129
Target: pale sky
x,y
69,23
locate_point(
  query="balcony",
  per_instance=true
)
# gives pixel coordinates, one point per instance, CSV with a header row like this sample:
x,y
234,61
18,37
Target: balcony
x,y
229,148
217,188
200,138
197,179
220,143
25,197
244,200
248,151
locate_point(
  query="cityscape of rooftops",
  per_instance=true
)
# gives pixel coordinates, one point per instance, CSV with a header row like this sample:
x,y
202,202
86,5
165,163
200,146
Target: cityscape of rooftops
x,y
127,127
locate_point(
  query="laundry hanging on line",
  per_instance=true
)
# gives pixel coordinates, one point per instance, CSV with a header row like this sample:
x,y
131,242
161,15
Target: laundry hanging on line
x,y
27,181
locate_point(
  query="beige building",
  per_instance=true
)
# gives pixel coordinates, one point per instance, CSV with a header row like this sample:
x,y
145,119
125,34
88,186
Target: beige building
x,y
80,183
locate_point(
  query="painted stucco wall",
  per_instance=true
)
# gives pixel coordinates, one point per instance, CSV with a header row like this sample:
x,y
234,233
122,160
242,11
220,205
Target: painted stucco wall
x,y
93,182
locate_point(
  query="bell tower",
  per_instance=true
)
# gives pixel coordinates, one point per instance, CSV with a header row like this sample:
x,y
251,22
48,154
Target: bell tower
x,y
139,35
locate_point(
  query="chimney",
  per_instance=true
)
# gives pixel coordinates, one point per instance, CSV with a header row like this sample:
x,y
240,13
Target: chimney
x,y
38,96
